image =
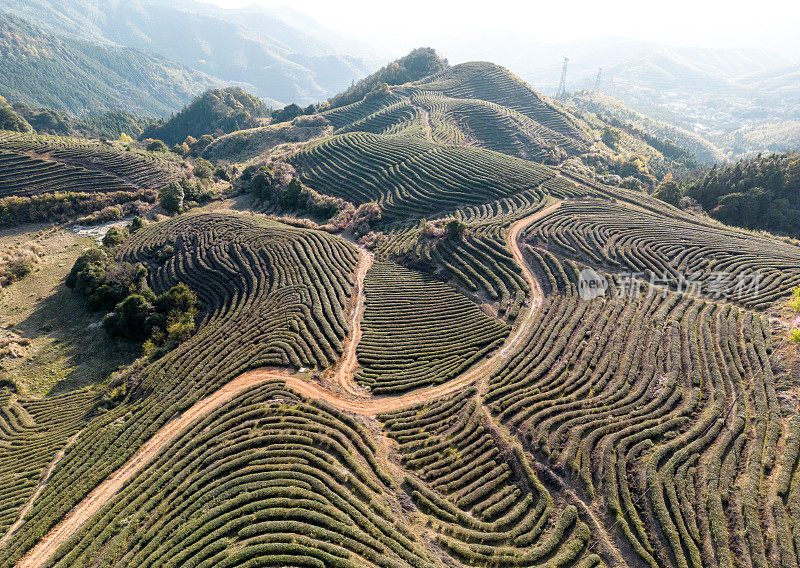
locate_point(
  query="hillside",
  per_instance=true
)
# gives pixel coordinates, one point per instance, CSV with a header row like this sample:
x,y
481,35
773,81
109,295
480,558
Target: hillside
x,y
214,112
55,179
482,105
44,70
109,124
618,113
409,328
262,50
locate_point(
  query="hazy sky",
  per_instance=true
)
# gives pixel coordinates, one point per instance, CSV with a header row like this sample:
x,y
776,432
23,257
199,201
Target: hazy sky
x,y
402,25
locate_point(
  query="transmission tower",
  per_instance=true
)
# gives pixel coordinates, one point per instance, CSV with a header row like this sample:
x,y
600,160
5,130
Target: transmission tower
x,y
562,87
597,81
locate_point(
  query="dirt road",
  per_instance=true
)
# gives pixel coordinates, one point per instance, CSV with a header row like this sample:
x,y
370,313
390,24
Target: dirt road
x,y
344,374
104,492
101,494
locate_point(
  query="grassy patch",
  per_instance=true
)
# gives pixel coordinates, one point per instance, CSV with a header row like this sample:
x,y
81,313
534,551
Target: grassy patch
x,y
66,349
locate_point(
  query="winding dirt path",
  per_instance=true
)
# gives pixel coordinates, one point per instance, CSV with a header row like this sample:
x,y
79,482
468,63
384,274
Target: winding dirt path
x,y
347,368
103,493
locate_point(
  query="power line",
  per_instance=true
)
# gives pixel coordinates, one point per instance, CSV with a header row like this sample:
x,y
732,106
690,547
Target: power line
x,y
562,87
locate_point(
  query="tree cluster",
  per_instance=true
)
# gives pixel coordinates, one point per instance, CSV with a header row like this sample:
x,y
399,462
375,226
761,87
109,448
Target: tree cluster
x,y
112,124
762,192
214,112
134,311
287,192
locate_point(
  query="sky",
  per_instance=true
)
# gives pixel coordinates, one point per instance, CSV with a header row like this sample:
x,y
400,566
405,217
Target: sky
x,y
400,26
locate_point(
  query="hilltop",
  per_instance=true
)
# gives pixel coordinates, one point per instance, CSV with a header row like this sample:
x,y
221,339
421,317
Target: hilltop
x,y
478,104
420,63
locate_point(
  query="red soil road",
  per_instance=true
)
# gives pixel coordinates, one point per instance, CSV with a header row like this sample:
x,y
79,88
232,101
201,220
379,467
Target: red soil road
x,y
103,493
347,368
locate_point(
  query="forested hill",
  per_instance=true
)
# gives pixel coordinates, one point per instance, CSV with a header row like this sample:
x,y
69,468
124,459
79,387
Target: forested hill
x,y
276,58
757,193
46,70
215,112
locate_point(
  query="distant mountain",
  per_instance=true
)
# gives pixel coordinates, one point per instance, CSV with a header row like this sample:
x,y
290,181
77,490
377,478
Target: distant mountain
x,y
215,112
45,70
724,95
284,62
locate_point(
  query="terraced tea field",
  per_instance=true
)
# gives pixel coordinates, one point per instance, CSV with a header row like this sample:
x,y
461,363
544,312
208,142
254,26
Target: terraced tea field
x,y
749,269
472,104
143,170
46,178
417,331
439,394
413,178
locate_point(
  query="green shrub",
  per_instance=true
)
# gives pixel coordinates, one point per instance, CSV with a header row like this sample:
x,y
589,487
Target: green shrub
x,y
136,224
171,196
130,319
203,169
114,237
87,272
157,146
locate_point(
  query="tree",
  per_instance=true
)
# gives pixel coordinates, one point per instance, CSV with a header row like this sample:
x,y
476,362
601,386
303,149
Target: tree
x,y
611,137
177,301
114,237
130,319
222,173
632,183
88,270
135,224
455,228
173,319
118,281
262,183
287,113
290,197
202,144
669,192
171,196
794,303
10,120
157,146
203,169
